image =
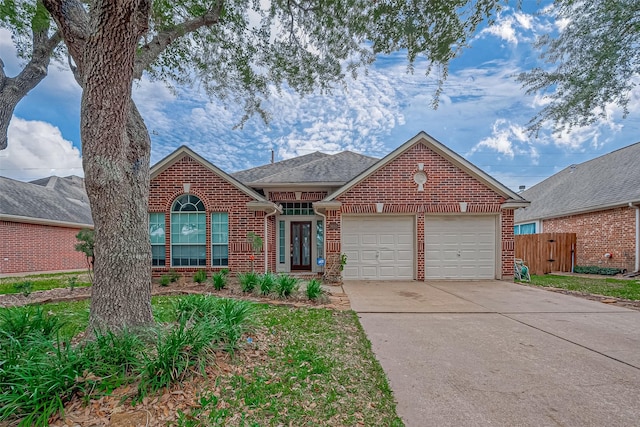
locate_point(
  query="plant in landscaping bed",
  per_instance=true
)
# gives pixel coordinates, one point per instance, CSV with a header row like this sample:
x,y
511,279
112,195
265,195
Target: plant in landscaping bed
x,y
219,280
174,276
286,285
25,288
200,276
314,289
256,245
72,282
248,281
234,318
85,245
165,280
267,283
592,269
194,306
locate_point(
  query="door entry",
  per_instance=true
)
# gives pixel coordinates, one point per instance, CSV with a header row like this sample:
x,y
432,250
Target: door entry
x,y
301,245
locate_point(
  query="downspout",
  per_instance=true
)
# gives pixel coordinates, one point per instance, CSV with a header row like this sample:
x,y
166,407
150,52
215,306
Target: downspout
x,y
637,208
266,239
324,237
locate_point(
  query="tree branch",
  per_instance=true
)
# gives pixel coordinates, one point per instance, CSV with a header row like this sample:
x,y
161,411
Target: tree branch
x,y
73,21
149,52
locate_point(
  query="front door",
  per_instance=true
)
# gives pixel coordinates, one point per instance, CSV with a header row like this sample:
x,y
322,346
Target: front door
x,y
301,245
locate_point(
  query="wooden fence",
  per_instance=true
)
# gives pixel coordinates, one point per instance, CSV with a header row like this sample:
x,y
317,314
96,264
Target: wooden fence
x,y
546,252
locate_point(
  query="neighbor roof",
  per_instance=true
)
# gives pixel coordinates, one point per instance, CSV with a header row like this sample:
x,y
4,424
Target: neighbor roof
x,y
333,169
53,200
604,182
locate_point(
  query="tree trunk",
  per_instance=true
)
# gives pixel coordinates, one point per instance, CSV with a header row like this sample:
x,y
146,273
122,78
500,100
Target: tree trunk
x,y
116,150
118,188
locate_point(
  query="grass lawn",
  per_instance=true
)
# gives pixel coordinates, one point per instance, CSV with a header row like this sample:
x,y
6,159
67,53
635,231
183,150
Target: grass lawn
x,y
43,282
619,288
296,366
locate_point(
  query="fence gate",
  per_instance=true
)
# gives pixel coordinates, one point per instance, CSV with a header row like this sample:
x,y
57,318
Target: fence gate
x,y
547,252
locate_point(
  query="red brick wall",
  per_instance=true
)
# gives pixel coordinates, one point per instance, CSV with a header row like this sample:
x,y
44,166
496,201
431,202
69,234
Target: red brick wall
x,y
30,247
611,231
217,195
446,186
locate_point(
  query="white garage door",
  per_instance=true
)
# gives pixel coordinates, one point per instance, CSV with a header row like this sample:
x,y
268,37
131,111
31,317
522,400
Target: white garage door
x,y
460,247
378,247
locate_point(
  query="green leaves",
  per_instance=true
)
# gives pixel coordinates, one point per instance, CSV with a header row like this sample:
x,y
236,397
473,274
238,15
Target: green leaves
x,y
593,63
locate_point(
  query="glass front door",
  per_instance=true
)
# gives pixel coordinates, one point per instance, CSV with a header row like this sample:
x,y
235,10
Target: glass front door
x,y
301,245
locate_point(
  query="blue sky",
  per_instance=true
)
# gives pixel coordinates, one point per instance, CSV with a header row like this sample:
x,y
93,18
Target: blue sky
x,y
482,115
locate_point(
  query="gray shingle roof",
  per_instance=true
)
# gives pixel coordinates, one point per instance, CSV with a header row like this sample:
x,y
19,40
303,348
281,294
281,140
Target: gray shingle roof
x,y
255,174
53,198
336,169
606,181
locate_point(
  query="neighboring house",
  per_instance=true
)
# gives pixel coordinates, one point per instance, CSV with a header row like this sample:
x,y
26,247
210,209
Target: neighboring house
x,y
422,212
599,200
38,224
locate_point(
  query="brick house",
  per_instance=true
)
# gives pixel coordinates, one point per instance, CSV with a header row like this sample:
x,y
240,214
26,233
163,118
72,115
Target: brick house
x,y
422,212
599,200
39,221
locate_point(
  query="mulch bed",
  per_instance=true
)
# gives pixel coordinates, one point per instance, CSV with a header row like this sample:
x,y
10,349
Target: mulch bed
x,y
335,298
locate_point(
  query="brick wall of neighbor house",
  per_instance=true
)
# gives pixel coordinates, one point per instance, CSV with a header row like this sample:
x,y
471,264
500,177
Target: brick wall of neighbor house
x,y
446,186
28,248
218,196
611,231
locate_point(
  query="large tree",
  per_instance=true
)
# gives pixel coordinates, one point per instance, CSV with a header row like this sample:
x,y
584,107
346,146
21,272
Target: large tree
x,y
593,62
242,51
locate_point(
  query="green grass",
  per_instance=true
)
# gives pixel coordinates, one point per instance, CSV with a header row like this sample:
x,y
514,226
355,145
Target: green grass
x,y
38,283
627,289
293,367
319,369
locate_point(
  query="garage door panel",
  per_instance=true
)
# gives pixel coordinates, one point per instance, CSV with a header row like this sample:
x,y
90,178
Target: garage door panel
x,y
385,247
460,247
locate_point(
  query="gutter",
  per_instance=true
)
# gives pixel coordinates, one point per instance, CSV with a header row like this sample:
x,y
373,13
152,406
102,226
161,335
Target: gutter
x,y
43,221
637,208
324,237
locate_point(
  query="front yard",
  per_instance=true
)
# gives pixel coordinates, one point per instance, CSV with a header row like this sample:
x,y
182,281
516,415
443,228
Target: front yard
x,y
289,366
626,290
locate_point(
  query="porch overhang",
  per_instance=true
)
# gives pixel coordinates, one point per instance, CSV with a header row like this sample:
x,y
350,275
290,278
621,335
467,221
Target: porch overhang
x,y
258,206
327,206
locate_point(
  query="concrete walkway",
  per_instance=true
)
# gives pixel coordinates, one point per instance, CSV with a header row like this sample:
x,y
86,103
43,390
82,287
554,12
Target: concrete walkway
x,y
500,354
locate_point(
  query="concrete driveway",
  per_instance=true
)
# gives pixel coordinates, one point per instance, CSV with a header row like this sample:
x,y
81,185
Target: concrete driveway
x,y
500,354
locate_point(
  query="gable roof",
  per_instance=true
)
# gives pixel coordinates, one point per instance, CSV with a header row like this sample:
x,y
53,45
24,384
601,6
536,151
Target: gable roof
x,y
260,172
601,183
53,201
513,198
333,169
183,150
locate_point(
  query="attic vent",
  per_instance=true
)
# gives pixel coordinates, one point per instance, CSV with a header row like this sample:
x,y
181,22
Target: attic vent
x,y
572,168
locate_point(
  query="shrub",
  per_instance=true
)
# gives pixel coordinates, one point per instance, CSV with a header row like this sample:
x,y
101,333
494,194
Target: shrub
x,y
286,285
72,282
248,281
25,288
176,353
314,289
234,318
174,276
165,280
22,322
219,280
267,283
200,276
593,269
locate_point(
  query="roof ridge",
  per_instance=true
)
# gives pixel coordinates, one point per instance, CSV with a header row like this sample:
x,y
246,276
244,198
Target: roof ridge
x,y
299,166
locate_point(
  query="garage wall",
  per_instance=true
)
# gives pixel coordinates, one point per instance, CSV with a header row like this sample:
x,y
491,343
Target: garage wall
x,y
393,187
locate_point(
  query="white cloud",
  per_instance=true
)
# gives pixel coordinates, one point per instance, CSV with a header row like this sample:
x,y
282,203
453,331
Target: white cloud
x,y
37,149
504,29
508,139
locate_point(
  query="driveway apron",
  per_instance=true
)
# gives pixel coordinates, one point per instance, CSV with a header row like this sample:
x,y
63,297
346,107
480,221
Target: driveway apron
x,y
491,353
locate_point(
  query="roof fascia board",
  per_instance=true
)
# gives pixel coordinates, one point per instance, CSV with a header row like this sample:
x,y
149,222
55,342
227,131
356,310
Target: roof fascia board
x,y
284,186
515,204
439,148
585,210
43,221
164,164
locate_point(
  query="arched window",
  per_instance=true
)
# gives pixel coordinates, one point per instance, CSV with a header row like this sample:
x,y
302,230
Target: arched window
x,y
188,232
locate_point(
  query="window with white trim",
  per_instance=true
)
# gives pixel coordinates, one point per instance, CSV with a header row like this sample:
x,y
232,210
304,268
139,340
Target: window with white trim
x,y
220,239
188,232
157,237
